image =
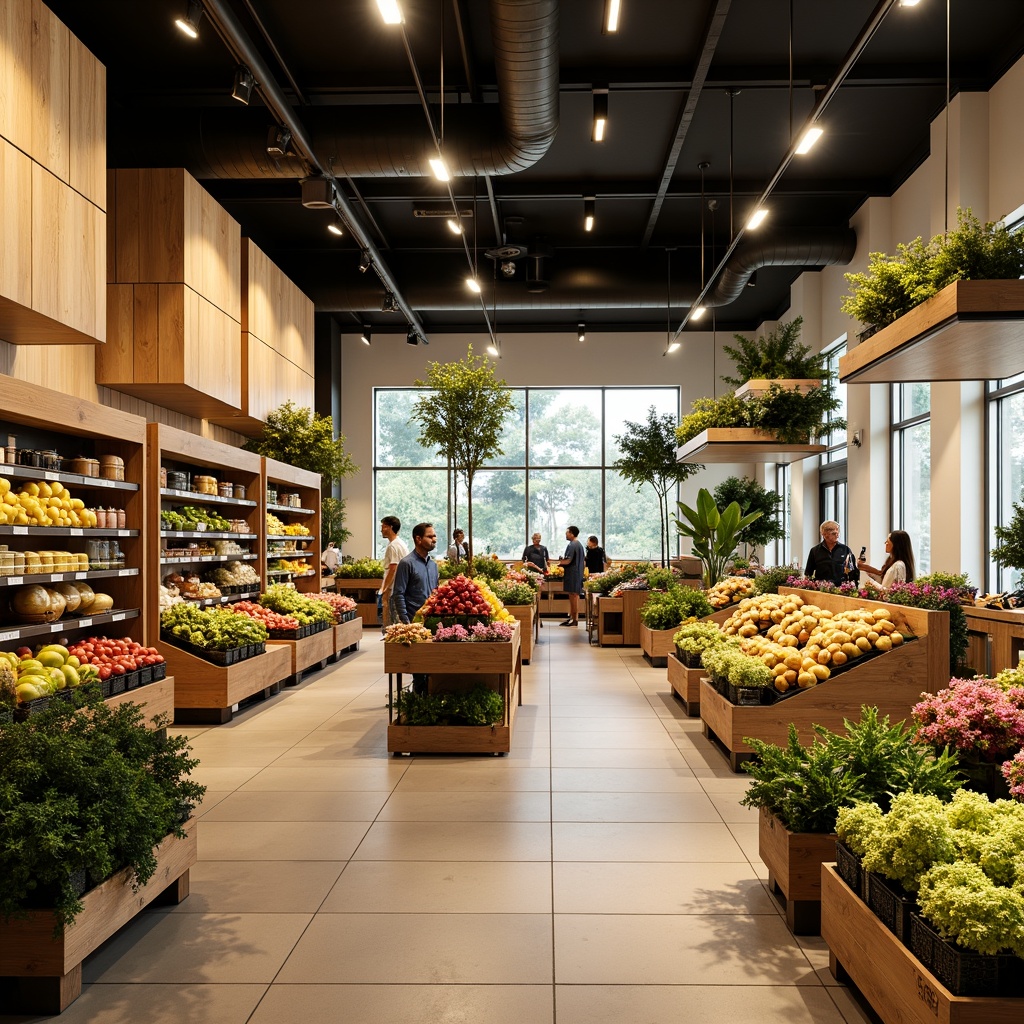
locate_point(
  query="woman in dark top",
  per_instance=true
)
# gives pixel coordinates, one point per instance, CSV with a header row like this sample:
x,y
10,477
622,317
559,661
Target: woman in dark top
x,y
594,557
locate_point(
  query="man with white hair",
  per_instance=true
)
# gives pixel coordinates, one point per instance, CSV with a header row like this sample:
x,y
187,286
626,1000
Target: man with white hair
x,y
831,561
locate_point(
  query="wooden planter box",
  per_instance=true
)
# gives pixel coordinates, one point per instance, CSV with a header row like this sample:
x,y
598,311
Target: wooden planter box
x,y
309,652
794,862
893,682
759,386
44,972
657,644
685,683
364,593
207,693
552,599
971,330
347,636
618,618
154,698
742,444
529,621
493,663
863,952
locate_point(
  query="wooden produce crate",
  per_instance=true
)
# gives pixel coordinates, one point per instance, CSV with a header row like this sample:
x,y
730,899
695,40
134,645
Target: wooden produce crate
x,y
347,636
900,989
44,973
657,644
207,693
553,600
685,683
794,862
154,698
618,622
892,682
488,661
364,593
529,626
309,652
999,634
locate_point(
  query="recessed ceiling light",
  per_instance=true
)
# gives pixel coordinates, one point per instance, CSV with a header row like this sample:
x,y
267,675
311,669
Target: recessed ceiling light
x,y
808,139
756,219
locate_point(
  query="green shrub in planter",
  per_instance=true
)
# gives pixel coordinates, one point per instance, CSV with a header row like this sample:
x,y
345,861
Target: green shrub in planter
x,y
479,706
361,569
86,788
778,355
513,593
667,610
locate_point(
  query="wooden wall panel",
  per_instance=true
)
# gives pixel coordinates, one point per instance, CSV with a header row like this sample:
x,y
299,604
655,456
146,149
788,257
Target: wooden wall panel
x,y
275,310
15,224
212,255
157,218
88,168
212,364
114,360
51,102
272,380
16,74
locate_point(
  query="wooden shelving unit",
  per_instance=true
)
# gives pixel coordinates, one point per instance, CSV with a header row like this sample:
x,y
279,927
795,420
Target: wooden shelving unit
x,y
364,593
83,429
290,480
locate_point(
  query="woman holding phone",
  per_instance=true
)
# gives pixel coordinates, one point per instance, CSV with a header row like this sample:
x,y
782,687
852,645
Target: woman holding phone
x,y
898,566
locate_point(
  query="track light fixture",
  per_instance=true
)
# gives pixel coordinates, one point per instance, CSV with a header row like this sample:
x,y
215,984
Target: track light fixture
x,y
581,331
673,346
335,229
243,85
611,15
278,141
440,168
390,12
190,23
589,206
364,261
367,335
389,304
600,114
808,139
752,282
473,285
698,312
756,219
412,337
454,226
493,349
909,3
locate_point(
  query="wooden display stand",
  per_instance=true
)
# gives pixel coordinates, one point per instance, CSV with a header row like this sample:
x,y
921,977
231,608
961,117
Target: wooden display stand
x,y
553,600
208,693
1002,634
892,682
154,698
618,618
794,862
657,644
900,989
685,683
309,652
503,660
347,636
364,593
290,480
43,974
529,625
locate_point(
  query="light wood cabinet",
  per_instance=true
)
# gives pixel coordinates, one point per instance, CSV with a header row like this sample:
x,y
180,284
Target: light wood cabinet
x,y
16,217
51,92
16,74
88,170
174,300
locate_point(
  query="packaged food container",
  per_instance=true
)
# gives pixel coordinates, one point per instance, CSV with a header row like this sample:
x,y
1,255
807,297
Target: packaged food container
x,y
121,519
83,562
49,460
29,457
177,481
101,518
225,489
112,467
239,490
85,466
271,495
205,484
6,563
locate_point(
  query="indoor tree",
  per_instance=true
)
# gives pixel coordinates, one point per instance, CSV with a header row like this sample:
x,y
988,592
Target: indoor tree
x,y
752,497
1010,553
649,457
713,532
461,415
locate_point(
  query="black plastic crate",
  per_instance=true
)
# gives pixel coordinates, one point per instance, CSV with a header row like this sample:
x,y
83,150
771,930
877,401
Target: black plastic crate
x,y
132,679
850,869
145,675
118,684
159,671
745,696
688,658
891,904
962,971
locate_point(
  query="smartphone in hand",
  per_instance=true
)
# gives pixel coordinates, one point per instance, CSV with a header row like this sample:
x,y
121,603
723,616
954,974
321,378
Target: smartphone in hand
x,y
863,552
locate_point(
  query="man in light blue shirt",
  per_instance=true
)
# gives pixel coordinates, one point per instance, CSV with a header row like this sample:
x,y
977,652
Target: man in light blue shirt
x,y
416,577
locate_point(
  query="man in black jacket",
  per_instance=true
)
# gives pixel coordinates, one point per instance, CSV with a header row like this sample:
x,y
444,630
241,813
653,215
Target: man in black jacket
x,y
831,561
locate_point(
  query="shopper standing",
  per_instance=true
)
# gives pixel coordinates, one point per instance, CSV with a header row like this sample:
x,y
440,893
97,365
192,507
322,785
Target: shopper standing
x,y
416,576
831,561
329,557
396,551
572,582
536,554
898,566
595,558
458,550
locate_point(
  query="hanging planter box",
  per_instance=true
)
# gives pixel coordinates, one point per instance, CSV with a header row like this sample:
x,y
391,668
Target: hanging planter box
x,y
743,444
971,330
757,387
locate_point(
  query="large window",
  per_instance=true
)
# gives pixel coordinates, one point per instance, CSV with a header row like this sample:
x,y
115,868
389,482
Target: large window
x,y
559,447
781,549
1006,467
836,439
911,468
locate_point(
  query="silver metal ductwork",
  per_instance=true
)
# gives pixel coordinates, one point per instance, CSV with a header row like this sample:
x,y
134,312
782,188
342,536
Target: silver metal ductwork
x,y
392,141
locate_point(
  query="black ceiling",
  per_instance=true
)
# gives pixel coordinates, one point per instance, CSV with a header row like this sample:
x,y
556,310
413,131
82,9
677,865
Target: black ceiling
x,y
169,100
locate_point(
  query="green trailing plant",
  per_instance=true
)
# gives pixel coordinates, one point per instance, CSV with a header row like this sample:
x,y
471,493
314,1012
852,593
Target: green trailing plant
x,y
776,356
893,285
872,761
649,459
86,789
752,497
1010,552
461,417
479,706
713,533
304,439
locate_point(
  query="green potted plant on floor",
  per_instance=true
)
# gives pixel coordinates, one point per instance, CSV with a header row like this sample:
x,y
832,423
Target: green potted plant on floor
x,y
714,533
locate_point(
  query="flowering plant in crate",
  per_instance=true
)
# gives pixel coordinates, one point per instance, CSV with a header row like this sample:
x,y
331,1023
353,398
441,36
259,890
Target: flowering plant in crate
x,y
499,632
974,717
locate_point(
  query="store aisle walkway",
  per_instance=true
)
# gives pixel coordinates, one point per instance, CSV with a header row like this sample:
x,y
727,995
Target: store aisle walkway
x,y
603,873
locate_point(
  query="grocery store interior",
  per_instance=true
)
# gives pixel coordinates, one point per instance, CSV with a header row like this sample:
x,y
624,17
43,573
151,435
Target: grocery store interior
x,y
210,208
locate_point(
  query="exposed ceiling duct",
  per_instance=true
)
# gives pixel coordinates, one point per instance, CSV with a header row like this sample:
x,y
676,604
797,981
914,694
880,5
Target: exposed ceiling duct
x,y
389,141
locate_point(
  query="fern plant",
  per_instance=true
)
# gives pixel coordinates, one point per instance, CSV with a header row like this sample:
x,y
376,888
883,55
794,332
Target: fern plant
x,y
776,356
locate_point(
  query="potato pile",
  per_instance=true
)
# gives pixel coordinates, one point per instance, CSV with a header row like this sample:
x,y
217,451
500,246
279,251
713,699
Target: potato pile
x,y
729,591
799,642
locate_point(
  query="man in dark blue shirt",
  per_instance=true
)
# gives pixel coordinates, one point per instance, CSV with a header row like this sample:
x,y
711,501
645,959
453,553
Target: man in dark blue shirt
x,y
831,561
416,576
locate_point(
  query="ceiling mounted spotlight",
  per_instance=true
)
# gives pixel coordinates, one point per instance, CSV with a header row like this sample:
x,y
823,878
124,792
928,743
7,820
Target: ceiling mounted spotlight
x,y
909,3
243,85
318,194
473,285
493,350
412,338
808,139
367,335
278,141
335,229
581,331
364,262
673,346
190,23
454,226
589,206
611,15
752,283
600,114
390,12
389,304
